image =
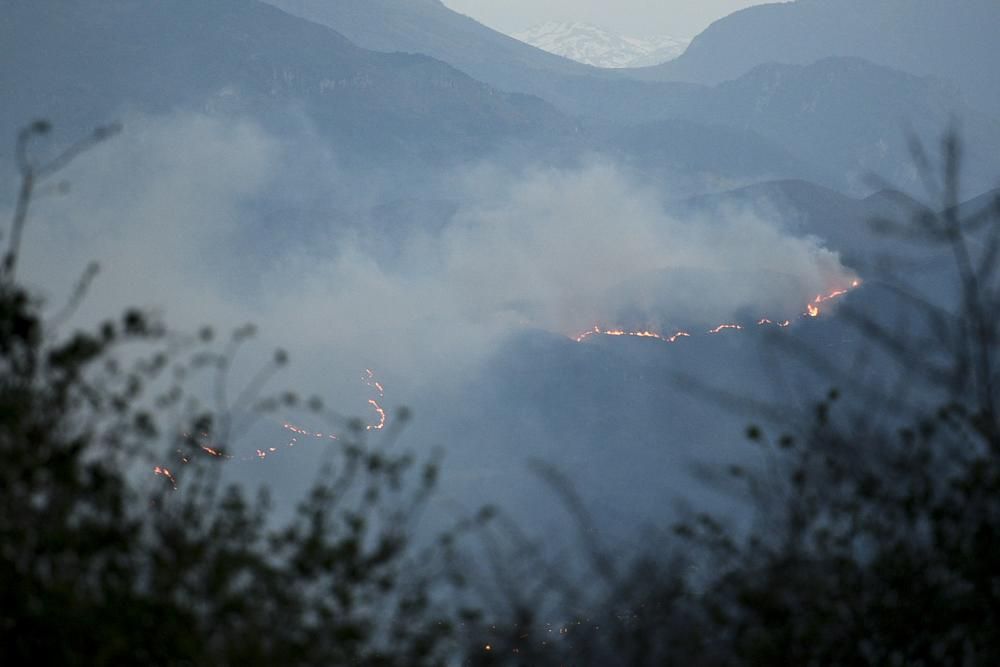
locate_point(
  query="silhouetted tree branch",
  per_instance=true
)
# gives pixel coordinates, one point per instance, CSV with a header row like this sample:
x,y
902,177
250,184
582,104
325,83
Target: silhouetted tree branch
x,y
878,512
101,563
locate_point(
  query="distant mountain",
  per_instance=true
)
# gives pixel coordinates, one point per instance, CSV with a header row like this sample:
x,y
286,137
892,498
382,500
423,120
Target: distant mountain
x,y
951,39
846,117
849,226
81,63
595,46
428,27
832,122
838,122
854,117
663,49
699,156
805,209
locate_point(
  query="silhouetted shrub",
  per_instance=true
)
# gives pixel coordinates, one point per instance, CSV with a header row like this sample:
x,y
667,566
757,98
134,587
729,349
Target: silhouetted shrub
x,y
877,519
103,563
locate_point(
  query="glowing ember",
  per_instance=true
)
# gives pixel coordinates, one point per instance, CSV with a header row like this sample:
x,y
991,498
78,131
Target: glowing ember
x,y
597,331
165,472
812,310
369,378
725,327
259,454
309,434
381,416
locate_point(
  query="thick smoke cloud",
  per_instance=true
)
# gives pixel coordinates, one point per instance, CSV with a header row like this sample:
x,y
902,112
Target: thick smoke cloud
x,y
168,208
559,250
203,221
156,208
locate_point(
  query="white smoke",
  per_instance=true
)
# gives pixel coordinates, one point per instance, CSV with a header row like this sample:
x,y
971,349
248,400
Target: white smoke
x,y
165,207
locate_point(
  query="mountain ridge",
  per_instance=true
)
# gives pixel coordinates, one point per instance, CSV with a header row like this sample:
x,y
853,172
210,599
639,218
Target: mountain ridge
x,y
431,28
949,40
77,66
593,45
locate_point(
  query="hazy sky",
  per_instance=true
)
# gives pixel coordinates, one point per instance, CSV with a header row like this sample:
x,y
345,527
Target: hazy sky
x,y
680,18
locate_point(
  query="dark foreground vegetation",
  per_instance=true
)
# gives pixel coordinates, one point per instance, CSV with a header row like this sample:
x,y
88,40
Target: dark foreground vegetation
x,y
104,563
876,540
877,515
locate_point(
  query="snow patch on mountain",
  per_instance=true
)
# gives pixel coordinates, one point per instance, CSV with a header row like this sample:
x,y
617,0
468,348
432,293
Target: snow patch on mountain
x,y
592,45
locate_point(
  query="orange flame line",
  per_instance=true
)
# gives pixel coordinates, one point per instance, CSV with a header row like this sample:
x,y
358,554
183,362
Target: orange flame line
x,y
165,472
381,416
812,310
260,454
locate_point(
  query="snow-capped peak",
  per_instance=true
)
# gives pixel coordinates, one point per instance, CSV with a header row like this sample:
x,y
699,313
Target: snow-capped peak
x,y
592,45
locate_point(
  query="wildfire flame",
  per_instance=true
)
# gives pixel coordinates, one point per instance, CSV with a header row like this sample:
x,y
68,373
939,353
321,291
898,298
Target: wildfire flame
x,y
597,331
165,472
381,416
726,327
812,310
369,379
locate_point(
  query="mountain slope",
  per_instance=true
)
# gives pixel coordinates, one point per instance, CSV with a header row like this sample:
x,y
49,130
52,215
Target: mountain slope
x,y
428,27
81,63
806,209
854,116
705,157
847,118
595,46
950,39
849,226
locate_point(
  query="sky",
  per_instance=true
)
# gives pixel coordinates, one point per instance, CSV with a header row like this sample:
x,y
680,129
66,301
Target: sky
x,y
678,18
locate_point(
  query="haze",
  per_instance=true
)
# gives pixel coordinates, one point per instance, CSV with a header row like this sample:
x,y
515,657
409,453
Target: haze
x,y
679,18
611,269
